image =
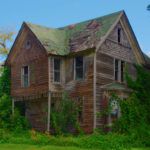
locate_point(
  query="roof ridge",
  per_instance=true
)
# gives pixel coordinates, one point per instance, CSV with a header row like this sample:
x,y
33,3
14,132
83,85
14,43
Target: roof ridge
x,y
29,23
65,40
92,19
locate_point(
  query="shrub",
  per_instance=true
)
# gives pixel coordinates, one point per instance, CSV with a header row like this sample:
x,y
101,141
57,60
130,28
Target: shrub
x,y
135,111
64,116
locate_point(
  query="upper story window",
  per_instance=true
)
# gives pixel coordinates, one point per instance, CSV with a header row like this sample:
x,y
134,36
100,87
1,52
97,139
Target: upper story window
x,y
78,67
116,69
119,35
122,71
119,70
57,69
25,76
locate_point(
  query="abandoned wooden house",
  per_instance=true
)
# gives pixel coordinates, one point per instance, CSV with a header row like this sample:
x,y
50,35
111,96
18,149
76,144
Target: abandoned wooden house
x,y
85,60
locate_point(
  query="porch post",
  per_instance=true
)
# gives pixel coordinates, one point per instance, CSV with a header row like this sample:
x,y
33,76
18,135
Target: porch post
x,y
49,110
13,105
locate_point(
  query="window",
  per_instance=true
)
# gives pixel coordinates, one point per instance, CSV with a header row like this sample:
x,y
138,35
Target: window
x,y
119,70
119,35
25,76
56,70
122,71
78,67
114,109
28,44
116,69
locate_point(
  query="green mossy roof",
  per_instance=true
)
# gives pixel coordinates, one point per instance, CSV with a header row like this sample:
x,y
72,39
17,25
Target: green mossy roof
x,y
57,41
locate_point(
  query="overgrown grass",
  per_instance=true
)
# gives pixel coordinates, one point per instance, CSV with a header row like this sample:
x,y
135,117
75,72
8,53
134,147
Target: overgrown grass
x,y
95,141
35,147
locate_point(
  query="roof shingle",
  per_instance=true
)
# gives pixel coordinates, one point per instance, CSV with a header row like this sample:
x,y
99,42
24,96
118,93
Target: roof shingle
x,y
76,37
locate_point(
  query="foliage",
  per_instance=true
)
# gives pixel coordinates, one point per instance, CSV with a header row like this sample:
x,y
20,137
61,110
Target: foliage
x,y
135,111
7,121
5,82
111,141
64,116
5,36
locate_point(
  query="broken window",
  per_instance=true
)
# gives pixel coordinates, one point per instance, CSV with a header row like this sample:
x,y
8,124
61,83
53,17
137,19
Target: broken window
x,y
25,76
119,35
122,71
119,70
114,109
56,70
78,67
116,69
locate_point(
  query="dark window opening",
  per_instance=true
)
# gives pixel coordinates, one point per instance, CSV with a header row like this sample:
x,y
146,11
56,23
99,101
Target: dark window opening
x,y
79,67
116,69
119,35
28,44
21,107
122,71
25,76
56,70
80,110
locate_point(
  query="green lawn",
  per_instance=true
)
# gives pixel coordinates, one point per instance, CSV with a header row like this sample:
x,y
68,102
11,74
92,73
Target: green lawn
x,y
33,147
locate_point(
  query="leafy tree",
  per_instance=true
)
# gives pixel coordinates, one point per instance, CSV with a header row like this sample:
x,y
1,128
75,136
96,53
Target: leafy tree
x,y
5,36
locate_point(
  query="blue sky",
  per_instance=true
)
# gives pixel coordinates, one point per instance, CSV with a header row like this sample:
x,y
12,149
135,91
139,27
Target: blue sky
x,y
57,13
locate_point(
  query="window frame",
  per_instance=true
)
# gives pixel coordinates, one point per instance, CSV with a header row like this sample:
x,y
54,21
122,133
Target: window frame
x,y
115,70
119,70
75,78
122,79
56,82
22,77
119,35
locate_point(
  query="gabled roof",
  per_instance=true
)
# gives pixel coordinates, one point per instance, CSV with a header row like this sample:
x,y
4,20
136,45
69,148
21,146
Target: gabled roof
x,y
76,37
81,36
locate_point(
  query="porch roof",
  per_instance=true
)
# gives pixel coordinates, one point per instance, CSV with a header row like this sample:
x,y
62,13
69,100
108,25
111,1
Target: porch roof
x,y
116,87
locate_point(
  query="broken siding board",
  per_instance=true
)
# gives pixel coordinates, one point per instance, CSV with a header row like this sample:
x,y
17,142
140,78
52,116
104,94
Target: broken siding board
x,y
106,54
82,88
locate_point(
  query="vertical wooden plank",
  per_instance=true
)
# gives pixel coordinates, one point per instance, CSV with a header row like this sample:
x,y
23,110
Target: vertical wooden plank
x,y
13,105
49,110
94,93
49,95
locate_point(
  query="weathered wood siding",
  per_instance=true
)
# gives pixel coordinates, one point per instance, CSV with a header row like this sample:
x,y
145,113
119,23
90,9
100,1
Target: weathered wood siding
x,y
105,56
82,88
36,113
36,58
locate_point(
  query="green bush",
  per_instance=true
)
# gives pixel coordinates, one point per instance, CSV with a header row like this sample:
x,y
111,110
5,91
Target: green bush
x,y
7,121
64,116
135,111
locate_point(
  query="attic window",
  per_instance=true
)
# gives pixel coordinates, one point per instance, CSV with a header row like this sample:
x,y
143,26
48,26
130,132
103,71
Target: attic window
x,y
119,35
78,67
28,44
